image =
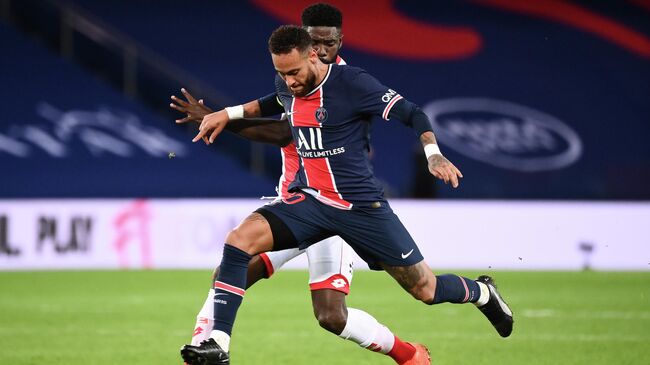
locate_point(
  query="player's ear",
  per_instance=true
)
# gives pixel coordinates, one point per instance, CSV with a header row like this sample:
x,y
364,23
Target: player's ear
x,y
313,56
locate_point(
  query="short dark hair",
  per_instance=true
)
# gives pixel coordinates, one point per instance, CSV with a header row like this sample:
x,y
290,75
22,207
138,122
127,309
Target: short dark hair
x,y
287,37
322,15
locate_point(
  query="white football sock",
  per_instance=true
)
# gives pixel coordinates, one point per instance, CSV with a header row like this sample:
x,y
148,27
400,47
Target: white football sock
x,y
204,320
363,329
222,339
485,295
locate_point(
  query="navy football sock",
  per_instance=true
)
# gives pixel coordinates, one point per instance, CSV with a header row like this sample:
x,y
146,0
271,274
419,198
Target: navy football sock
x,y
229,287
455,289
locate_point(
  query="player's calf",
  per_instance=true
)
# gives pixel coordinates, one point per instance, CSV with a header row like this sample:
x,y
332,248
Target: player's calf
x,y
452,288
332,319
330,309
367,332
417,280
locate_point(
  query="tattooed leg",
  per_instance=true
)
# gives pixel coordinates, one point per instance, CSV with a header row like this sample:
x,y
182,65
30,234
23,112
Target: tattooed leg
x,y
416,279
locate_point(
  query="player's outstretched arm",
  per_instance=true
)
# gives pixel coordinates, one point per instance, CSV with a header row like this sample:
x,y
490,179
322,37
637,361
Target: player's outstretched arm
x,y
194,110
232,119
213,124
439,166
263,130
271,131
412,116
379,100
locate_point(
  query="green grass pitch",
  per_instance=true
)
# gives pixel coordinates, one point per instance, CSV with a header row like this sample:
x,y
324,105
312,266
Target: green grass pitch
x,y
143,317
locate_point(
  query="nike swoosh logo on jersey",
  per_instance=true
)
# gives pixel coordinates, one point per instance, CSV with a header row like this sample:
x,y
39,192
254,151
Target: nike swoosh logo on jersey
x,y
291,113
405,255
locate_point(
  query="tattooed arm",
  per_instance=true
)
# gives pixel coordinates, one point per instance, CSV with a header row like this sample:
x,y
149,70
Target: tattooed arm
x,y
439,166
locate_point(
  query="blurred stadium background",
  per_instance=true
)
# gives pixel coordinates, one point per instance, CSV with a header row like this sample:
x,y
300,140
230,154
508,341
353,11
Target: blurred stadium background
x,y
544,105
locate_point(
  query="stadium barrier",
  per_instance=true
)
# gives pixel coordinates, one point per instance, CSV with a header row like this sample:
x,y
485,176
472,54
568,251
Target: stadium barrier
x,y
189,233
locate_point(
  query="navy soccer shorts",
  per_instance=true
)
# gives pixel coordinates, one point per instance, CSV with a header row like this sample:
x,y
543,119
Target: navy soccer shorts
x,y
376,234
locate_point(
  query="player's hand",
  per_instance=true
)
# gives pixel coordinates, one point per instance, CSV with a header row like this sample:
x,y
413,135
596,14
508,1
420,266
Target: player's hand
x,y
444,170
212,125
194,110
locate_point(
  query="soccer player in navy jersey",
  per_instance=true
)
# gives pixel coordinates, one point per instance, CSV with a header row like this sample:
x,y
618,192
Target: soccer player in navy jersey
x,y
335,191
330,261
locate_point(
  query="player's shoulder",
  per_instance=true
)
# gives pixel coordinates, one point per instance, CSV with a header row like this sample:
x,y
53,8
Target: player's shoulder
x,y
347,72
353,78
346,69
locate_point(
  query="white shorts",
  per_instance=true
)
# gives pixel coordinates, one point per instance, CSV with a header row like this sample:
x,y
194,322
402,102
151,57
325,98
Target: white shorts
x,y
330,263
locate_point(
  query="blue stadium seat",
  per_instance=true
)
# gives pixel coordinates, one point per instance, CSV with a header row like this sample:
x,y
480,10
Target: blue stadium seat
x,y
63,133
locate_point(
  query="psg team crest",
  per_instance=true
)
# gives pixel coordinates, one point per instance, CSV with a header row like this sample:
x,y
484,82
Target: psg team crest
x,y
321,114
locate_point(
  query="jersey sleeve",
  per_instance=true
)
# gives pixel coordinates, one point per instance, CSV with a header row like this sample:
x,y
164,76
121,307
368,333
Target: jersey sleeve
x,y
378,99
373,96
270,105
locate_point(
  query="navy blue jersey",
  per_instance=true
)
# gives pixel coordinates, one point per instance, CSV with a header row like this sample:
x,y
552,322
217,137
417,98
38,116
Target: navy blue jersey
x,y
330,127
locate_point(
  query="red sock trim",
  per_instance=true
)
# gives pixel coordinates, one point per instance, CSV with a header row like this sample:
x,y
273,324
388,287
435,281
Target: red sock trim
x,y
402,351
229,288
267,263
466,289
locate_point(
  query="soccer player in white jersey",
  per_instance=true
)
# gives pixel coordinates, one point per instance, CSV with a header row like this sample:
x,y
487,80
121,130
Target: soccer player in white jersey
x,y
331,260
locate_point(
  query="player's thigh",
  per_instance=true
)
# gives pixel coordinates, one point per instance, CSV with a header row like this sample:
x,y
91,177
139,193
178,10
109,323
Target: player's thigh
x,y
379,238
331,264
296,222
253,235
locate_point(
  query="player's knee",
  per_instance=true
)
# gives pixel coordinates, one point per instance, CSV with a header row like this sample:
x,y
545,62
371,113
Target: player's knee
x,y
235,238
333,320
238,239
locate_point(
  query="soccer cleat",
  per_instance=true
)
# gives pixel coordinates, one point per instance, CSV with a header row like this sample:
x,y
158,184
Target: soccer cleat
x,y
421,356
207,353
496,309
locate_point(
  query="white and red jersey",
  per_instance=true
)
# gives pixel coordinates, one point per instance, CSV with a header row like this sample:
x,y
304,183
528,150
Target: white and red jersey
x,y
291,160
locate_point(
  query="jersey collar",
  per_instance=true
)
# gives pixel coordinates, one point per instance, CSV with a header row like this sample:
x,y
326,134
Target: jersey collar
x,y
327,75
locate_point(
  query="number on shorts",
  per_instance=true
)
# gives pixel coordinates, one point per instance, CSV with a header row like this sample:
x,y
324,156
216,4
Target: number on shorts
x,y
294,198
